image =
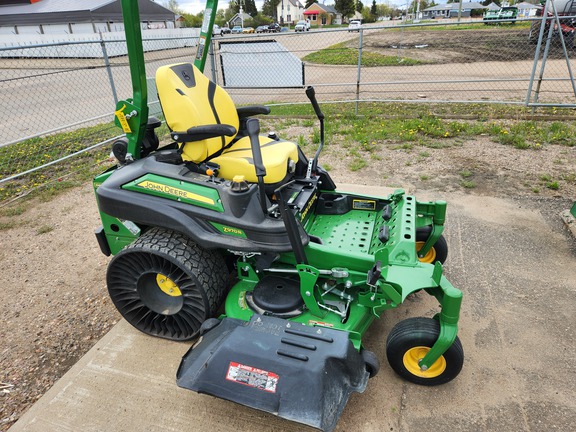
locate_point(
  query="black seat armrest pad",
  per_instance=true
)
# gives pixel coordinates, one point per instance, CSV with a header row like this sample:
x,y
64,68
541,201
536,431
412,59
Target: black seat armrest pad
x,y
200,133
248,111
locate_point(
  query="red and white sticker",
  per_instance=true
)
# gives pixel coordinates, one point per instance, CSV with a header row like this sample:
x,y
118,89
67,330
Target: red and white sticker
x,y
320,323
252,377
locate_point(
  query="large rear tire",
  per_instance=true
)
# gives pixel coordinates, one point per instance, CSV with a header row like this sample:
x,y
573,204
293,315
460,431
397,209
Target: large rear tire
x,y
165,285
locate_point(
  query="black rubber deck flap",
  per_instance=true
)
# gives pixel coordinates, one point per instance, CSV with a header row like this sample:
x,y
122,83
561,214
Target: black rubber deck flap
x,y
300,373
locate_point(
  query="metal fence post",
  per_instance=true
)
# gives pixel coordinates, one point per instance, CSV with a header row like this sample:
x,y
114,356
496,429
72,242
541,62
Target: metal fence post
x,y
212,59
108,69
359,69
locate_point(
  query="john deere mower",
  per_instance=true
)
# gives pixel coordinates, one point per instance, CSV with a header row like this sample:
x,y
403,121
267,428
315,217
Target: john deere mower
x,y
239,241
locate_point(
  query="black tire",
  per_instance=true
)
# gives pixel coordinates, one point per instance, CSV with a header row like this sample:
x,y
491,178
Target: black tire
x,y
371,361
438,252
165,285
409,341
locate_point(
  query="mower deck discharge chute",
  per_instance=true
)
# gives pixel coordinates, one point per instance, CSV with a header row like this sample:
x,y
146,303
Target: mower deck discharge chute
x,y
315,369
225,222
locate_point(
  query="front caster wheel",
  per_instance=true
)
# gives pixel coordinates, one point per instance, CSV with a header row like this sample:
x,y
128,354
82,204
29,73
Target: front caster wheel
x,y
165,285
408,343
438,252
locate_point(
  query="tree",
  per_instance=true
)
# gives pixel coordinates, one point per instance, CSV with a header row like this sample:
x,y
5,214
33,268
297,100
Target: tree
x,y
367,16
173,6
383,10
258,20
309,3
269,8
359,6
234,6
193,20
424,4
373,9
345,7
250,8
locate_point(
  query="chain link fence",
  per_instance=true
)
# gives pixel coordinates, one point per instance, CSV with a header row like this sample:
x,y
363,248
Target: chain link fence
x,y
59,98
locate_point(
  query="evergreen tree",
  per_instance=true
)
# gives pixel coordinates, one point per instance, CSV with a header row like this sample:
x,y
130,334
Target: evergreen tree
x,y
309,3
250,8
373,9
345,7
359,6
270,7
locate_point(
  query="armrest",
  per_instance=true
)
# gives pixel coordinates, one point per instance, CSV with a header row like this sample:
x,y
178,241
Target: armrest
x,y
200,133
248,111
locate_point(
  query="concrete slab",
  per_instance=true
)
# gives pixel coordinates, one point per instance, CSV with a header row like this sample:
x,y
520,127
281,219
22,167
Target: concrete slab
x,y
514,261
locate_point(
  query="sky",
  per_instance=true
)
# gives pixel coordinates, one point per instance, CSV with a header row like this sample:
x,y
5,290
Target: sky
x,y
195,6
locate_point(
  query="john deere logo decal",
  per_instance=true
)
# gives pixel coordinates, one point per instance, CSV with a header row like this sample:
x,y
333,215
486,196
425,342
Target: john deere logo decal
x,y
169,190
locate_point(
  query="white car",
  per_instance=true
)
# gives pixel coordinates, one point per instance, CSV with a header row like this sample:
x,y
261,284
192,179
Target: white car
x,y
216,30
354,25
302,26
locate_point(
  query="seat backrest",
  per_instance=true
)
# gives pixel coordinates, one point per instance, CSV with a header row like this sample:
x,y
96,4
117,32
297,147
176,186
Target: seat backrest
x,y
189,99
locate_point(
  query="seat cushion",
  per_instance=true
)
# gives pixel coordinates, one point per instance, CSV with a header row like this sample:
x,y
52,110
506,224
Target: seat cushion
x,y
238,159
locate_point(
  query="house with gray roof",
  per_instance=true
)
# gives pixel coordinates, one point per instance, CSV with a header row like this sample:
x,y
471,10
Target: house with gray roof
x,y
77,16
321,14
450,10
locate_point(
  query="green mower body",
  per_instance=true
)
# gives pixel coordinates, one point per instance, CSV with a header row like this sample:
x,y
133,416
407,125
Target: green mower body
x,y
280,281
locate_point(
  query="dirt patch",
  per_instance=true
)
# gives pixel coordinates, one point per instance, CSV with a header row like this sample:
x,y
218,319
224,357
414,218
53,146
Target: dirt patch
x,y
54,304
485,43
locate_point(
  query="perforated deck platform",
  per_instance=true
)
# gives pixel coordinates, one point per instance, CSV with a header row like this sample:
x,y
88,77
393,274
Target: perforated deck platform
x,y
356,232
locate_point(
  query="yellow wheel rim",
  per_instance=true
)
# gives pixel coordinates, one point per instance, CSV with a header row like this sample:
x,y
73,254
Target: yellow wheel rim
x,y
167,285
429,257
412,358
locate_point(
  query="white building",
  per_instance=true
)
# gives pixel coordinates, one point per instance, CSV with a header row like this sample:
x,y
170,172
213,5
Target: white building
x,y
289,11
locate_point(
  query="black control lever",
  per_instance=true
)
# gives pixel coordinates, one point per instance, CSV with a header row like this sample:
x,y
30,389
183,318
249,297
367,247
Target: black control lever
x,y
313,163
253,128
311,93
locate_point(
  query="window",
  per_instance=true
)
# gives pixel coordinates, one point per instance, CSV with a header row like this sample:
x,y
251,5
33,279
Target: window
x,y
323,20
314,17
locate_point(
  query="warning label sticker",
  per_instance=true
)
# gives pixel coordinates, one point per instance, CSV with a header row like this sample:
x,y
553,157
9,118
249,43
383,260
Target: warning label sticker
x,y
319,323
252,377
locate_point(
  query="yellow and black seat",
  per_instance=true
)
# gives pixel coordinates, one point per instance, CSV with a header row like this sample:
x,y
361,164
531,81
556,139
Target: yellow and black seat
x,y
205,120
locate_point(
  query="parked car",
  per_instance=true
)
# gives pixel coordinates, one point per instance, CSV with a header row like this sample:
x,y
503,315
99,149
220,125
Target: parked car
x,y
262,29
216,30
248,30
274,28
354,25
236,30
225,30
302,26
